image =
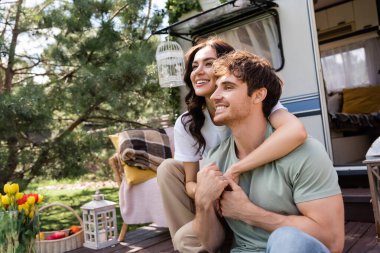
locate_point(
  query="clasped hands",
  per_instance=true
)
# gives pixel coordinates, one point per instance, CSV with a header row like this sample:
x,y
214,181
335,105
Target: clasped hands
x,y
214,188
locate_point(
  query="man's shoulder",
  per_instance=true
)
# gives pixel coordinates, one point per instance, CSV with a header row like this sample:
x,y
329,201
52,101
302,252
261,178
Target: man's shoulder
x,y
312,144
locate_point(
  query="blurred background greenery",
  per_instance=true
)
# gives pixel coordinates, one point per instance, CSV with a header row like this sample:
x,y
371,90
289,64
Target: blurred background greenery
x,y
71,73
73,193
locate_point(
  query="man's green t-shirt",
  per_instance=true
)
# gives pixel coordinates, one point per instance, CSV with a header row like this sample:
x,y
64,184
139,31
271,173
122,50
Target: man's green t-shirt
x,y
305,174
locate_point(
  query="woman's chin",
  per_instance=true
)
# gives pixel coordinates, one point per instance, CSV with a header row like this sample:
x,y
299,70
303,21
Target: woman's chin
x,y
203,91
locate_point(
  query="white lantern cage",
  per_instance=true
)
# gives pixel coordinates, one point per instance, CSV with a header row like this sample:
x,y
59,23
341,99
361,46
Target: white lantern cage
x,y
170,64
99,222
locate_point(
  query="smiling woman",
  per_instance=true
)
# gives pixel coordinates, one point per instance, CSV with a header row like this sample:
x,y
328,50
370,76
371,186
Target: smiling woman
x,y
202,74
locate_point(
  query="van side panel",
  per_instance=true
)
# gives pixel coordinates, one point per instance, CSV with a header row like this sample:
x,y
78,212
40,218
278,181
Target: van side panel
x,y
302,72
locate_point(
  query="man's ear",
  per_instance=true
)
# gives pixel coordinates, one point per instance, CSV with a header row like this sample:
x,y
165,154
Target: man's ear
x,y
259,95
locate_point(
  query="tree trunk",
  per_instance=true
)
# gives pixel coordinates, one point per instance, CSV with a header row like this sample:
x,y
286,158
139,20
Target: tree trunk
x,y
147,19
12,161
9,72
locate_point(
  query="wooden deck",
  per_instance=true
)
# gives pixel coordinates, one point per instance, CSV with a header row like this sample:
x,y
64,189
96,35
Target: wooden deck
x,y
360,238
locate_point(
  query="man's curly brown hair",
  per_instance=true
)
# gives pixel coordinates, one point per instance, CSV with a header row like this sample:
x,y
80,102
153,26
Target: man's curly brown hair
x,y
255,71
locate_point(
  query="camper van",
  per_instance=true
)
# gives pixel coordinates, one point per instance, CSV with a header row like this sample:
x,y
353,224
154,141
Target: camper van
x,y
326,51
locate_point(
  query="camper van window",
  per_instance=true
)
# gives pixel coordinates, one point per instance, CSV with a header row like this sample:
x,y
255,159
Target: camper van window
x,y
350,66
260,36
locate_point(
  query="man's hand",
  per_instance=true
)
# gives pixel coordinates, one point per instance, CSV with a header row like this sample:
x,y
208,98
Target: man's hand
x,y
210,185
232,202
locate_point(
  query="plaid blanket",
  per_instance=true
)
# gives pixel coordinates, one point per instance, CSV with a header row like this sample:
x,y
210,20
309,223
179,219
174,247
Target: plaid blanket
x,y
144,148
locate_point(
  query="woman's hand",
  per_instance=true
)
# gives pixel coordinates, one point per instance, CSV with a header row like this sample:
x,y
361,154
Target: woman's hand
x,y
191,169
232,173
190,189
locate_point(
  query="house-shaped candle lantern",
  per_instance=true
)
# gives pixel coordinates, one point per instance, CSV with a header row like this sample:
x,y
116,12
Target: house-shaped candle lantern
x,y
99,221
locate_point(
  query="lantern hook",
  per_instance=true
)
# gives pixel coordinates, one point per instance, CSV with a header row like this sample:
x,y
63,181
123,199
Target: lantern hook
x,y
98,196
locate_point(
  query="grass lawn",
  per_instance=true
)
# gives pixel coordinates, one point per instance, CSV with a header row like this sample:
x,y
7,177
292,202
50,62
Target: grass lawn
x,y
74,194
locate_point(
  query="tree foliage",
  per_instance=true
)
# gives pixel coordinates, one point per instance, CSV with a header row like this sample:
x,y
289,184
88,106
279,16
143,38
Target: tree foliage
x,y
91,74
176,8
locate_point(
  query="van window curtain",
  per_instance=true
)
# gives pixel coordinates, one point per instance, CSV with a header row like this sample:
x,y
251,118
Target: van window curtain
x,y
350,66
273,40
259,37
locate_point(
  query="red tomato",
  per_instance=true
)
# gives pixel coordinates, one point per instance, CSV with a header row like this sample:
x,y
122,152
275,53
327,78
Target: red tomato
x,y
59,235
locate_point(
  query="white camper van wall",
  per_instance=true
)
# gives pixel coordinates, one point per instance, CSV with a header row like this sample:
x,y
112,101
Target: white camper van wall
x,y
170,64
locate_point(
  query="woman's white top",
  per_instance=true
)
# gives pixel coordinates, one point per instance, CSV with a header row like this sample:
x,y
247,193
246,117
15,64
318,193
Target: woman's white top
x,y
186,146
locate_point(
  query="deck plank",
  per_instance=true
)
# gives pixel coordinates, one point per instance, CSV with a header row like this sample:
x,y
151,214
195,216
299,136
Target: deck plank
x,y
353,232
376,249
149,242
117,248
149,233
367,241
359,238
163,247
110,249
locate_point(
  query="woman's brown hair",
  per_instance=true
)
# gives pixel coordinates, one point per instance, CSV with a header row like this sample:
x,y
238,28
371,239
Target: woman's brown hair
x,y
195,104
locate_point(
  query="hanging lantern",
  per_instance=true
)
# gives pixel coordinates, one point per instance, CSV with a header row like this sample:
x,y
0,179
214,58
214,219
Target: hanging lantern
x,y
170,64
99,221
